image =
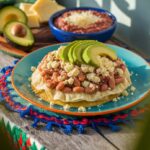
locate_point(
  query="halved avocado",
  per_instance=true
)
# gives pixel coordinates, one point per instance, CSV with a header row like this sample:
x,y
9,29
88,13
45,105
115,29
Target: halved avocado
x,y
80,47
91,53
19,35
11,13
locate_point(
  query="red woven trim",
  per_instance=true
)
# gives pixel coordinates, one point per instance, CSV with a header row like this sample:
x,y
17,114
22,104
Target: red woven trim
x,y
85,121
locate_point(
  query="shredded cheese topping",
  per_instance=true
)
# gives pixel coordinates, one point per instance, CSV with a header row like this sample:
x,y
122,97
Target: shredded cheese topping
x,y
82,19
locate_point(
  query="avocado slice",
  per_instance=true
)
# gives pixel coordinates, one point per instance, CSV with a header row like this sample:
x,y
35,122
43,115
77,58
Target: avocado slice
x,y
64,52
80,47
91,52
19,35
11,13
70,52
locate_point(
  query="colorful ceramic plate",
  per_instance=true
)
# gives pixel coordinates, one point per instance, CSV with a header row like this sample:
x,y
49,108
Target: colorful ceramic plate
x,y
135,63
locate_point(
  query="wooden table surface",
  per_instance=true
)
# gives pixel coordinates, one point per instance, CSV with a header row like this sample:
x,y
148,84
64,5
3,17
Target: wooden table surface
x,y
56,140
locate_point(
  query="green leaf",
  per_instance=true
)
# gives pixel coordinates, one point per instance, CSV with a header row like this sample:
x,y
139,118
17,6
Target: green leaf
x,y
8,128
33,147
43,148
24,138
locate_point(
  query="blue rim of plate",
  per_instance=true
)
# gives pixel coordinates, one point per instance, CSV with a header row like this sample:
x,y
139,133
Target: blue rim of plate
x,y
107,108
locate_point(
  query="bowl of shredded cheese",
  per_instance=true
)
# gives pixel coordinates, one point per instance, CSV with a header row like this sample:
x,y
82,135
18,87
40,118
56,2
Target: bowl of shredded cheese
x,y
82,23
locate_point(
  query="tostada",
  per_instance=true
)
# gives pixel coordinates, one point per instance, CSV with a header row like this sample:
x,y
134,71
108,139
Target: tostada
x,y
83,73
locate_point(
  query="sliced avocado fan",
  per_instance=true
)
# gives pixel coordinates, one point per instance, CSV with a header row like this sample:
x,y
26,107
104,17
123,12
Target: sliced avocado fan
x,y
86,52
65,51
79,48
91,53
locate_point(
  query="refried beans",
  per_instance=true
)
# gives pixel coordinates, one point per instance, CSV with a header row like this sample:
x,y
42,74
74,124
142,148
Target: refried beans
x,y
83,21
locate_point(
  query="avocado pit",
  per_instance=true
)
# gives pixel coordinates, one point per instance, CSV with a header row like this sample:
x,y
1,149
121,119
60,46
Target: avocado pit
x,y
19,30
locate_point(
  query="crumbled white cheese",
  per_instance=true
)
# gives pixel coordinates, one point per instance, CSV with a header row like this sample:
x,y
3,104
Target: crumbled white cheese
x,y
114,99
66,82
49,57
73,73
104,72
61,78
96,79
66,107
92,77
49,64
120,71
118,98
85,68
125,93
82,19
91,69
82,109
40,99
51,104
106,66
33,68
70,81
44,66
54,64
68,67
132,93
91,85
133,88
85,83
131,73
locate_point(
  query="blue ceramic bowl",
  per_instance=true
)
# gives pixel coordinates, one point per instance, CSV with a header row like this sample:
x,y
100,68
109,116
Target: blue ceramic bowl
x,y
65,36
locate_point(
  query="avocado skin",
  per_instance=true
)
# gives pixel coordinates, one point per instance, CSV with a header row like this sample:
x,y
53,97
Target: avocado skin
x,y
17,44
8,3
9,7
26,49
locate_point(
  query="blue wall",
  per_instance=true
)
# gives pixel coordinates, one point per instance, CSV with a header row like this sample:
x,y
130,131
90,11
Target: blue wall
x,y
133,19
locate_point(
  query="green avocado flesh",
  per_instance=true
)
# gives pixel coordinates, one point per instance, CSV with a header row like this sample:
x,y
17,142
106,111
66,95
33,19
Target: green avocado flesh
x,y
70,52
25,41
79,48
11,13
86,52
64,52
91,53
